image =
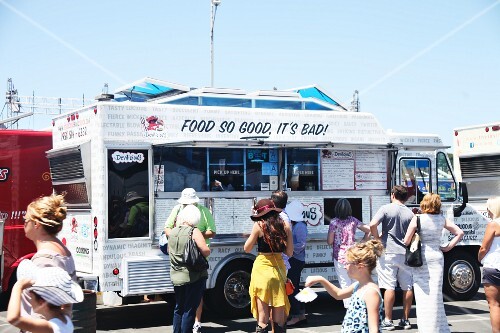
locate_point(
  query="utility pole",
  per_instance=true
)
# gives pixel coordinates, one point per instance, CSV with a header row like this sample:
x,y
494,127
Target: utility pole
x,y
213,6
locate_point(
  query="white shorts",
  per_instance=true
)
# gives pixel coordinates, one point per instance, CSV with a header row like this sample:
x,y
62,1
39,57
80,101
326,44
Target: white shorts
x,y
391,269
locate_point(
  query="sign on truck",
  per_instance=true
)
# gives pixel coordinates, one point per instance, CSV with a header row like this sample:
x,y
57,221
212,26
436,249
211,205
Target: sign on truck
x,y
233,148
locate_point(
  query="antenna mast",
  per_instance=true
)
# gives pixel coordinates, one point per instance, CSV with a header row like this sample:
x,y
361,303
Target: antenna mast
x,y
355,107
19,107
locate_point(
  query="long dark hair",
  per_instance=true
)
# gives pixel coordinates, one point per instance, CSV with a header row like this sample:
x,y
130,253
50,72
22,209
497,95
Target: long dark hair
x,y
273,228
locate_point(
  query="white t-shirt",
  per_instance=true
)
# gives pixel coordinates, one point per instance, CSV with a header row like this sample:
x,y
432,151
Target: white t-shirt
x,y
58,326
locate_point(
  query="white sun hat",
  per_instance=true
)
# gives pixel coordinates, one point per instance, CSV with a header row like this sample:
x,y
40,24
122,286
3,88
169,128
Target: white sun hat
x,y
188,197
53,284
294,211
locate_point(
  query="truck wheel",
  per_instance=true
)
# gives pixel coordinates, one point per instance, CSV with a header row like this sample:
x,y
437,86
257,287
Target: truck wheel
x,y
461,276
230,296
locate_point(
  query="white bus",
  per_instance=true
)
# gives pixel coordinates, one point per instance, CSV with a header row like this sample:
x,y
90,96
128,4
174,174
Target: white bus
x,y
159,138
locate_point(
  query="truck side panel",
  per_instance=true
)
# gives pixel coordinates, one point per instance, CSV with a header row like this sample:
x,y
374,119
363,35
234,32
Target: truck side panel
x,y
24,176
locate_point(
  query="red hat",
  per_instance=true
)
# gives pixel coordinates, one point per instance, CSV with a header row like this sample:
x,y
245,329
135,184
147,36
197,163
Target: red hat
x,y
263,207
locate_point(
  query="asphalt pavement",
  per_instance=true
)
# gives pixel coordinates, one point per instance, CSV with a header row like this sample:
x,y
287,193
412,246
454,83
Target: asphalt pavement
x,y
324,315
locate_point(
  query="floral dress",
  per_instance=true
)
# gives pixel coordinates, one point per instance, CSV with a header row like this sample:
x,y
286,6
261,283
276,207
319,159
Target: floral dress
x,y
344,231
356,317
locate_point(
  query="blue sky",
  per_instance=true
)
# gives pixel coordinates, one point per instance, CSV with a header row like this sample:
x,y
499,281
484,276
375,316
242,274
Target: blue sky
x,y
420,66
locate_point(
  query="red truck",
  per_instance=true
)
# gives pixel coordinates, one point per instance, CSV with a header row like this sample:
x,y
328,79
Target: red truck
x,y
24,176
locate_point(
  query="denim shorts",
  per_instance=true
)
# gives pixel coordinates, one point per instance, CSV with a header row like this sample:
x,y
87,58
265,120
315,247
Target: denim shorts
x,y
491,276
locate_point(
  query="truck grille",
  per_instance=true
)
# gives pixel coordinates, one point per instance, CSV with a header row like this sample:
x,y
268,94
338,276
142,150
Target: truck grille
x,y
481,166
146,275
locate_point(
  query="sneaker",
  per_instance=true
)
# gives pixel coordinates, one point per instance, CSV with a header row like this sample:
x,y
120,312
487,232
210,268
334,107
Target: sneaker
x,y
387,325
197,328
404,323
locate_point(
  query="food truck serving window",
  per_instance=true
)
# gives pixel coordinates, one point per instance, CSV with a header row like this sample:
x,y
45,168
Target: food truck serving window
x,y
215,169
183,167
302,169
128,193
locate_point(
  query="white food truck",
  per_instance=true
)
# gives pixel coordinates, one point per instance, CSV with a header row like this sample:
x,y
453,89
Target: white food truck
x,y
158,138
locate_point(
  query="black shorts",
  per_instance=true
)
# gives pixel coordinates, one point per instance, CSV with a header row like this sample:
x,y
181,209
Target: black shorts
x,y
491,276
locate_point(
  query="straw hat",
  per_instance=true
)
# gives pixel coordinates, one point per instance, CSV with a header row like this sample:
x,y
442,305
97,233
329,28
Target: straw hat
x,y
263,207
294,211
188,196
53,284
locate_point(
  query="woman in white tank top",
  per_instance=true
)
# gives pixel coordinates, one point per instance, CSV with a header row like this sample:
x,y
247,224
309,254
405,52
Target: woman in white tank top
x,y
489,255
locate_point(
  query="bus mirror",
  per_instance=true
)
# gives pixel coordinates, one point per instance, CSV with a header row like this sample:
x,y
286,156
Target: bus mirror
x,y
462,191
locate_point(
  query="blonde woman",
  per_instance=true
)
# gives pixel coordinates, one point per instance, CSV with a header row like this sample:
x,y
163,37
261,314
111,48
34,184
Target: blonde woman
x,y
489,255
42,222
428,279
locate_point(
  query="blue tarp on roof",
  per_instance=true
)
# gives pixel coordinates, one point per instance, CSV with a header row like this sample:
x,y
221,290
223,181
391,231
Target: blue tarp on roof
x,y
317,93
148,88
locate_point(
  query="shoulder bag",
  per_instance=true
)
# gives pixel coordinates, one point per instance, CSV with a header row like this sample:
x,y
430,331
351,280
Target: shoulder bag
x,y
193,259
413,256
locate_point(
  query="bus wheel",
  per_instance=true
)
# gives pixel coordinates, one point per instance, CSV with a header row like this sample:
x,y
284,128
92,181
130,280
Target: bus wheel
x,y
230,296
461,276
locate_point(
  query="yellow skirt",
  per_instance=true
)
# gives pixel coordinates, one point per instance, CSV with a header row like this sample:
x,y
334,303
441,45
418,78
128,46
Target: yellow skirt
x,y
266,282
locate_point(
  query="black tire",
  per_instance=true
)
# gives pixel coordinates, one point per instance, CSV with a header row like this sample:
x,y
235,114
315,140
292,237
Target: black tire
x,y
461,276
230,297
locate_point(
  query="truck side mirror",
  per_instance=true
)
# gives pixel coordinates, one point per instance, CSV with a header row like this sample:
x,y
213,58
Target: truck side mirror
x,y
462,191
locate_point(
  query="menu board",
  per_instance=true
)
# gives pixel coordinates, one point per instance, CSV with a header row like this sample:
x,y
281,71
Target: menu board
x,y
232,216
337,170
353,170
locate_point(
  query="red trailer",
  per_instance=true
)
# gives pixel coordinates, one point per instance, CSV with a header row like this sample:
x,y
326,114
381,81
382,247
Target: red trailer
x,y
24,176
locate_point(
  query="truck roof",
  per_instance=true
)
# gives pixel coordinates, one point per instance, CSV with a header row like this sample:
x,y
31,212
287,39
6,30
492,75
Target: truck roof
x,y
23,132
497,123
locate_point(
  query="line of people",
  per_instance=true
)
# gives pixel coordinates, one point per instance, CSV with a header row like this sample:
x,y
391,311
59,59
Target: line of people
x,y
42,298
367,309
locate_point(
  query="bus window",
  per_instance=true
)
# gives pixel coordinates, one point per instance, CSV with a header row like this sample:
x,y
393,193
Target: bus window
x,y
445,180
181,167
415,175
302,169
128,193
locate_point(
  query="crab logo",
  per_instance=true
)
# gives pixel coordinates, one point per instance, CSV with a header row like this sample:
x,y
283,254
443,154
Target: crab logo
x,y
153,123
4,174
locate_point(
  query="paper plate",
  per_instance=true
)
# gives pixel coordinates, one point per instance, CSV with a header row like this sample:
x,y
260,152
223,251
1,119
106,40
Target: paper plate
x,y
306,295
